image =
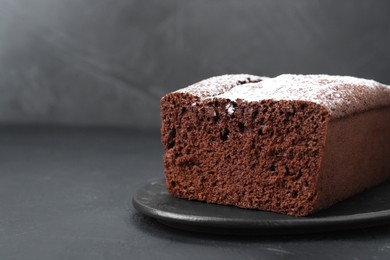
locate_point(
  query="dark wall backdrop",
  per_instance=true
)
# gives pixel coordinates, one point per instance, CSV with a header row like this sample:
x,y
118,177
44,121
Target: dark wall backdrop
x,y
88,62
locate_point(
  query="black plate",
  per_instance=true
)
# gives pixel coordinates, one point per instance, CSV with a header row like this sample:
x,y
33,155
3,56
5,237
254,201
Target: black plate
x,y
370,208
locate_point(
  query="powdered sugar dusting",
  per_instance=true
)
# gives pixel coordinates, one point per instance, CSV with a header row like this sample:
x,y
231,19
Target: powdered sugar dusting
x,y
340,94
217,85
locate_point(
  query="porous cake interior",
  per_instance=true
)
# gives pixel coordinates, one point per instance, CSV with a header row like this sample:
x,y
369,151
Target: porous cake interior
x,y
263,155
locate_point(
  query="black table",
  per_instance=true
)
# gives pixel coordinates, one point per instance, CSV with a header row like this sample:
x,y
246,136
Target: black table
x,y
65,193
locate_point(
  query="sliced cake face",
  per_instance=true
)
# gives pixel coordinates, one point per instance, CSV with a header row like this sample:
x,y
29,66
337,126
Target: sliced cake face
x,y
232,140
252,155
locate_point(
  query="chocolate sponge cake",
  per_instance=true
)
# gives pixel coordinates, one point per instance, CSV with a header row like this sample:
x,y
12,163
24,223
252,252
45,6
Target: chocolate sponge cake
x,y
292,144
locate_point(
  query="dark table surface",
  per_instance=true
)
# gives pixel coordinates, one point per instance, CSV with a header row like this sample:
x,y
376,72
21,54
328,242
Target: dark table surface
x,y
65,193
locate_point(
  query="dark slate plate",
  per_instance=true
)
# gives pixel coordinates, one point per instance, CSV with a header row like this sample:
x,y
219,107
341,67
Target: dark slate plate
x,y
370,208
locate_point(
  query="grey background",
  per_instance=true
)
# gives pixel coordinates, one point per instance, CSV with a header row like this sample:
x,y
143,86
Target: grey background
x,y
65,192
96,62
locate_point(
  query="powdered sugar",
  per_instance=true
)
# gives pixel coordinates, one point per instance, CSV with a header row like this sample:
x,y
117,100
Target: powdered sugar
x,y
217,85
298,87
341,95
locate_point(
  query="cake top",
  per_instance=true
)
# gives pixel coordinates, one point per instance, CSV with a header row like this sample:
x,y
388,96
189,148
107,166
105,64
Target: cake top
x,y
341,95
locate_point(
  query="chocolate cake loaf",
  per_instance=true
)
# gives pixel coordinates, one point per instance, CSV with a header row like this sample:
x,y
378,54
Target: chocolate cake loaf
x,y
292,144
